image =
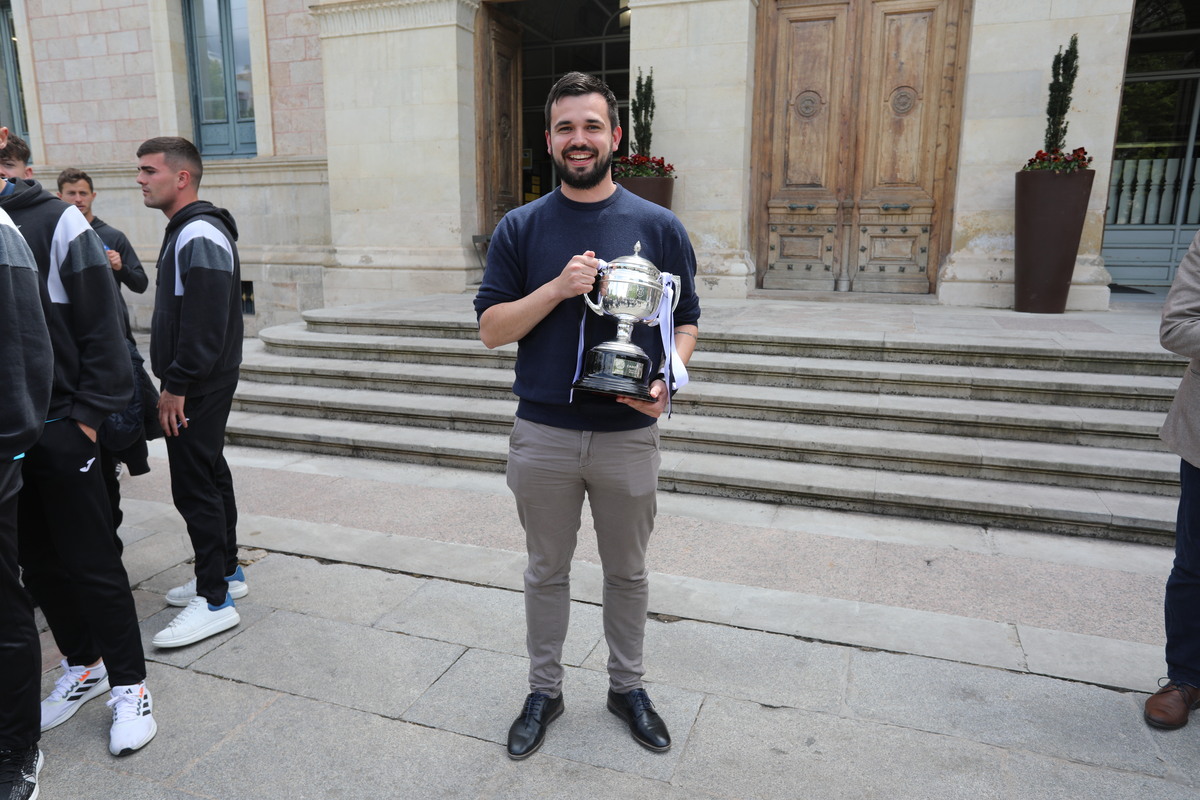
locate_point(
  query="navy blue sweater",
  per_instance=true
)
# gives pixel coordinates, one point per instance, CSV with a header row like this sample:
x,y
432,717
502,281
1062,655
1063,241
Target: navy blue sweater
x,y
530,247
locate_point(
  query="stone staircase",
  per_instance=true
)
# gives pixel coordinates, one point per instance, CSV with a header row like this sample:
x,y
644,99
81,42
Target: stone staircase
x,y
1029,436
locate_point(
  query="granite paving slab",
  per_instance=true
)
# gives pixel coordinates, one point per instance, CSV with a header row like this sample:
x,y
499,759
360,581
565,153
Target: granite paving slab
x,y
331,591
492,619
1032,776
150,555
1030,712
764,753
483,693
301,748
194,714
251,614
343,664
767,668
1093,659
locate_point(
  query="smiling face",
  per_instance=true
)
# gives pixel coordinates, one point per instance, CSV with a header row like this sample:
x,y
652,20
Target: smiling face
x,y
581,141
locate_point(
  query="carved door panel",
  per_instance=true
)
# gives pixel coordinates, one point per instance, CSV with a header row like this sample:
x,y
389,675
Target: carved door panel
x,y
859,122
500,118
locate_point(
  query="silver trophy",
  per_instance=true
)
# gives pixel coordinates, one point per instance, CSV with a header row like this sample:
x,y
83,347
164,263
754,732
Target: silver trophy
x,y
630,288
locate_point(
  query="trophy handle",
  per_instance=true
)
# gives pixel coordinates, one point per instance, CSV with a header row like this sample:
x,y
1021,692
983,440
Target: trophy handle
x,y
587,298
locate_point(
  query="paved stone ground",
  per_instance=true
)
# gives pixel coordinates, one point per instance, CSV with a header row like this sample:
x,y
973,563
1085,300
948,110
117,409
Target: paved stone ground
x,y
794,653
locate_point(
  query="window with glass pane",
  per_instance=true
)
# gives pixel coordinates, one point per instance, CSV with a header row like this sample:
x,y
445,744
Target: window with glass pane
x,y
1154,191
12,98
221,76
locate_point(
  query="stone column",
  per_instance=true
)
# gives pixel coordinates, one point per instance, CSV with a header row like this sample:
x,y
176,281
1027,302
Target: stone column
x,y
1004,119
702,53
400,119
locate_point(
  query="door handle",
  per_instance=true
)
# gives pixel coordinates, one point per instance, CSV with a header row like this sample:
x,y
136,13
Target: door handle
x,y
797,207
901,206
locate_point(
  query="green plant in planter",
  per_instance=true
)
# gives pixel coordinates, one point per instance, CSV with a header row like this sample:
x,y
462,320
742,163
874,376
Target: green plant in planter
x,y
1062,84
640,164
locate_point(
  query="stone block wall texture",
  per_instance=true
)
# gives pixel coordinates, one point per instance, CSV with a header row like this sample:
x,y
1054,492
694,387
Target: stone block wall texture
x,y
94,69
95,78
1004,119
702,54
297,87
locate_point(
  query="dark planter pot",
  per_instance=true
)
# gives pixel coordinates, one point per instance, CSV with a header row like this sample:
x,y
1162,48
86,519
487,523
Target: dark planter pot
x,y
656,190
1051,207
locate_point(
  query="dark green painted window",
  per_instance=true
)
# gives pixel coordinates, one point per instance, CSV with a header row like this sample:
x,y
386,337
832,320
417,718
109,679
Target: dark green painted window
x,y
12,99
220,74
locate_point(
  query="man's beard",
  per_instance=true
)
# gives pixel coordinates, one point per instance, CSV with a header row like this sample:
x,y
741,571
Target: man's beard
x,y
587,180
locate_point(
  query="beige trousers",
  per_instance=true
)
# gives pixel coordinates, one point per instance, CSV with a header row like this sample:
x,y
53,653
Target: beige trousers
x,y
549,472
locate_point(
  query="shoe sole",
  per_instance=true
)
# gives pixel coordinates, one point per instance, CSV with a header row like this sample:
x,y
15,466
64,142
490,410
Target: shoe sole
x,y
37,770
538,745
126,751
1162,726
97,690
212,629
617,712
237,593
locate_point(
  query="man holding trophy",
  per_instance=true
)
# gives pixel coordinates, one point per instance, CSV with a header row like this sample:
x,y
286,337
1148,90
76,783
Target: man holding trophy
x,y
590,394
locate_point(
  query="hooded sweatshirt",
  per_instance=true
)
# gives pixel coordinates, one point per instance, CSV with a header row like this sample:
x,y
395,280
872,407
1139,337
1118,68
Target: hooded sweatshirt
x,y
26,369
196,332
92,373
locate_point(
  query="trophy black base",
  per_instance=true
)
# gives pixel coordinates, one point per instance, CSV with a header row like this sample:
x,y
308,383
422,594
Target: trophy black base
x,y
607,384
616,368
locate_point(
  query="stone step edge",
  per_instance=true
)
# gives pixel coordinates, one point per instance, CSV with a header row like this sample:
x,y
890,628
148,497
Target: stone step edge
x,y
297,337
489,452
1093,390
975,418
890,346
935,450
694,398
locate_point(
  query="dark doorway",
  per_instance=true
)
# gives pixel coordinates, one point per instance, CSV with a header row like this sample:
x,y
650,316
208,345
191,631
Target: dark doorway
x,y
559,36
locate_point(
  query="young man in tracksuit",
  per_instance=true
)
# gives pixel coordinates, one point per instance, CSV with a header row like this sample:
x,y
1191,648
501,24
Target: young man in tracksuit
x,y
70,562
26,374
75,187
196,351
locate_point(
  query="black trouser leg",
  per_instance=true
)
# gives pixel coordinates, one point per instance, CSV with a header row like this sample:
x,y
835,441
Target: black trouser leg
x,y
71,564
112,485
202,488
20,650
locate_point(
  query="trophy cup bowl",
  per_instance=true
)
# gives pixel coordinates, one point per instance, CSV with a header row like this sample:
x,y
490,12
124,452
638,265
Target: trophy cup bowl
x,y
630,289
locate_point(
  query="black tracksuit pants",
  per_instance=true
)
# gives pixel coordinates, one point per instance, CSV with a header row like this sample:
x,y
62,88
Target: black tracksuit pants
x,y
71,563
20,649
202,488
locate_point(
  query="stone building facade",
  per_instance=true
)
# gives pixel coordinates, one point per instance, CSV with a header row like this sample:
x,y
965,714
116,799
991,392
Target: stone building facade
x,y
375,128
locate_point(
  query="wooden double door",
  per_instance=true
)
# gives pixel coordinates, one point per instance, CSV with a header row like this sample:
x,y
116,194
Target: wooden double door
x,y
858,107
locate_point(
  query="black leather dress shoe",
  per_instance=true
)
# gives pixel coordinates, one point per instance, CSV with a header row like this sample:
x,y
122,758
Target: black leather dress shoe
x,y
645,724
528,730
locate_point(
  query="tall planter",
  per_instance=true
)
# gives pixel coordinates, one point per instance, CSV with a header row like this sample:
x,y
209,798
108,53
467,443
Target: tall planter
x,y
654,189
1050,208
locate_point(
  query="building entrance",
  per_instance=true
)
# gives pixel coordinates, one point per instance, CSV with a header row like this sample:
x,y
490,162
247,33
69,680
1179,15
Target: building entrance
x,y
858,114
525,45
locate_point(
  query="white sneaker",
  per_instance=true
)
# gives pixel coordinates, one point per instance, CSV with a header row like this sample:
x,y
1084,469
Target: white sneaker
x,y
197,622
74,687
133,723
180,596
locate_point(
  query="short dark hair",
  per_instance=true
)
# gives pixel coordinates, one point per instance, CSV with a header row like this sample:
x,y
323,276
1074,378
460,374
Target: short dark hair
x,y
574,84
178,152
73,175
17,150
